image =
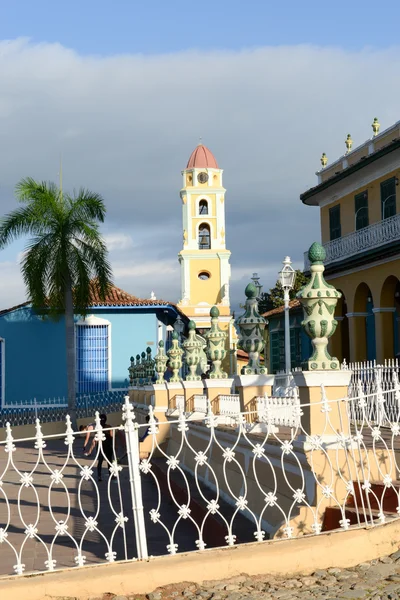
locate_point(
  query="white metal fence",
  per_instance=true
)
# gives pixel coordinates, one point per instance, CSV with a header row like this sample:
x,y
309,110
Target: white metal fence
x,y
371,380
55,409
205,487
282,411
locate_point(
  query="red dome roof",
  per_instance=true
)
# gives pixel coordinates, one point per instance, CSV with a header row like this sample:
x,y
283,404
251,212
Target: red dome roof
x,y
202,158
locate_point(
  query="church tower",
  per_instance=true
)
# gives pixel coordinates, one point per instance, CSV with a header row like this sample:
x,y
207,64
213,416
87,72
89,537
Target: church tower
x,y
204,259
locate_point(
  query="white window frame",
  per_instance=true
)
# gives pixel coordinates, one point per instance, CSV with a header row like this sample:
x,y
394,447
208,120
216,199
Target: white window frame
x,y
91,320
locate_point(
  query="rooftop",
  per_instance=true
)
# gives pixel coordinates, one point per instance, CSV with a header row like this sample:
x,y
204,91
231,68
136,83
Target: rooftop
x,y
366,153
202,158
280,309
115,297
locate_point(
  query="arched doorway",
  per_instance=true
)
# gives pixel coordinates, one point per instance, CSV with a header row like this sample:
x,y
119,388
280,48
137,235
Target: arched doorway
x,y
389,313
364,324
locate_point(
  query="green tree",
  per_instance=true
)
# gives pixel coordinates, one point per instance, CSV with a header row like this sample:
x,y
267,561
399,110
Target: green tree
x,y
274,298
64,252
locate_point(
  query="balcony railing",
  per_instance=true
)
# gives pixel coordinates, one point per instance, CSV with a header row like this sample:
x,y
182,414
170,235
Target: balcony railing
x,y
373,236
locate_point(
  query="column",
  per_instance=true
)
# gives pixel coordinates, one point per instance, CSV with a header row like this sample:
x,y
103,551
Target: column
x,y
357,336
384,333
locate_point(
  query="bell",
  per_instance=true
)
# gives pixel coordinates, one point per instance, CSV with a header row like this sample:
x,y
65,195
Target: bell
x,y
204,240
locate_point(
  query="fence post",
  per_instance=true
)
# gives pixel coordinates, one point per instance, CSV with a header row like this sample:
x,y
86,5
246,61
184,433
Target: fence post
x,y
132,447
35,404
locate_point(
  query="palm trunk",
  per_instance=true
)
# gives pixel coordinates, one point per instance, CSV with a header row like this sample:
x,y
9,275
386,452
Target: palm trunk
x,y
70,347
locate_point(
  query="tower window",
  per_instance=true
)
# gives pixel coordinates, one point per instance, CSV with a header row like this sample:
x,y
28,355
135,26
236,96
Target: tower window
x,y
203,207
204,237
204,275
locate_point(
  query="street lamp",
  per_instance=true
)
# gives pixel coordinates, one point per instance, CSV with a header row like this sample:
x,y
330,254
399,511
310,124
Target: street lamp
x,y
256,280
179,327
287,277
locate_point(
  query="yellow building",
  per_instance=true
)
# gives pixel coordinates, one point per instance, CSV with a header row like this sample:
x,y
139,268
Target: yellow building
x,y
204,259
360,229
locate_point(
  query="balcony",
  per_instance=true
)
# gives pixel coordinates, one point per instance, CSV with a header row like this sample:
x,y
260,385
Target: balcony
x,y
375,235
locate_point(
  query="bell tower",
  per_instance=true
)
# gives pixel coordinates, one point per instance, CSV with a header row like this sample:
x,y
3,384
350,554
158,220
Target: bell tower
x,y
204,259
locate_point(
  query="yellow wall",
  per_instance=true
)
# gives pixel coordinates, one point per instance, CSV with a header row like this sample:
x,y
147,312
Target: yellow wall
x,y
208,290
381,281
347,212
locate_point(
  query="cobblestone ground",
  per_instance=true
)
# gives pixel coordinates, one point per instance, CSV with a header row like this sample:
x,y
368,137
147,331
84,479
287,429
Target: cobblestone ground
x,y
378,579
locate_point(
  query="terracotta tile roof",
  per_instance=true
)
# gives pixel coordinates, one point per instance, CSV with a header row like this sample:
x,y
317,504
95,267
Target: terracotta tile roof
x,y
7,310
114,297
280,309
117,297
241,354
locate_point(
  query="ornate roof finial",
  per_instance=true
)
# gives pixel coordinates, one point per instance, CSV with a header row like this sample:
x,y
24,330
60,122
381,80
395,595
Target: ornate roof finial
x,y
200,141
251,326
319,300
349,143
324,160
375,126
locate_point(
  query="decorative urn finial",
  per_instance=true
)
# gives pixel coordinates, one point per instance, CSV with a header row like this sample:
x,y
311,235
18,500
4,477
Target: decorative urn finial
x,y
319,300
324,160
175,358
216,351
349,143
149,365
160,361
137,369
251,339
375,126
192,348
131,370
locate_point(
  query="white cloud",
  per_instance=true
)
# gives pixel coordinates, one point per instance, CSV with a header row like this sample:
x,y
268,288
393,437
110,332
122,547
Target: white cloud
x,y
125,126
118,241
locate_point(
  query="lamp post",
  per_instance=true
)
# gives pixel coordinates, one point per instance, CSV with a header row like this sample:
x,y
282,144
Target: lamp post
x,y
256,280
287,276
179,327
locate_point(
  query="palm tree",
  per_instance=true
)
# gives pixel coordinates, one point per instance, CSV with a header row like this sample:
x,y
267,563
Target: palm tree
x,y
64,252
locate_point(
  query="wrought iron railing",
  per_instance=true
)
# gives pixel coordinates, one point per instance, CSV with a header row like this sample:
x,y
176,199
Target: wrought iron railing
x,y
203,487
55,409
367,238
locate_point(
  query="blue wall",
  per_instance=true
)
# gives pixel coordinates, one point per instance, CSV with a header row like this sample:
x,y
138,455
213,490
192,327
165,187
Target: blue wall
x,y
131,332
35,357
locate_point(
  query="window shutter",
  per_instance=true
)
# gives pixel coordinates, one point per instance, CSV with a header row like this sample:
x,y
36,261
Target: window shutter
x,y
388,198
361,210
334,223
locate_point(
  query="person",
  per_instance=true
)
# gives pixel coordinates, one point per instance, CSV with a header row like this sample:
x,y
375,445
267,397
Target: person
x,y
106,450
89,429
168,373
141,438
146,432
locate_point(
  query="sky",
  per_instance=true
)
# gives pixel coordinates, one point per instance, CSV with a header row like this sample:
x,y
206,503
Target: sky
x,y
123,90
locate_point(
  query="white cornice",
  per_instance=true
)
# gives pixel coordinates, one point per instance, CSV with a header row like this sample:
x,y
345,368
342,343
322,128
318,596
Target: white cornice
x,y
357,314
366,145
384,309
359,179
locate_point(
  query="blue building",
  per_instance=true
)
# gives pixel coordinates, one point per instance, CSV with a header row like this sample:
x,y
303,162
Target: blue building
x,y
33,355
